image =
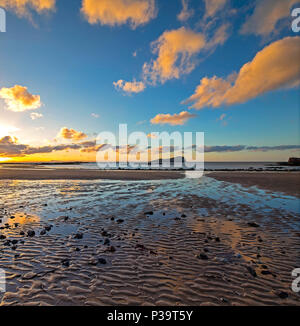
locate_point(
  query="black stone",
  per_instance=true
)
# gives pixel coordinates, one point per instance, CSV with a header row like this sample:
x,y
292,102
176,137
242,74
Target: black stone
x,y
282,295
78,236
253,225
203,256
30,233
251,271
66,263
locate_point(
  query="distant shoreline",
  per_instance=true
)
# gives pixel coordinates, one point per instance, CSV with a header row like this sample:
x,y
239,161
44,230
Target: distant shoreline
x,y
208,167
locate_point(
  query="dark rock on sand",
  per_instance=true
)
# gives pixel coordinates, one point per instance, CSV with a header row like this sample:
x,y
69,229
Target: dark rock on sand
x,y
120,221
30,233
78,236
22,233
148,213
282,295
251,271
104,234
266,272
43,232
202,256
253,225
2,237
48,228
106,242
140,246
14,242
102,261
66,262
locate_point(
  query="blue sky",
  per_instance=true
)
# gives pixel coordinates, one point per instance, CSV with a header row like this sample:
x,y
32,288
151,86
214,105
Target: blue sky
x,y
72,65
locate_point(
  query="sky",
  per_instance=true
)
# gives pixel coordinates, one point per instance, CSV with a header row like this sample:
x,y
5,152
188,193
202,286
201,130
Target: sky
x,y
70,70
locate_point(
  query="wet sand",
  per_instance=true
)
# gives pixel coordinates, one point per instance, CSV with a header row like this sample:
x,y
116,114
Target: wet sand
x,y
172,242
77,174
285,182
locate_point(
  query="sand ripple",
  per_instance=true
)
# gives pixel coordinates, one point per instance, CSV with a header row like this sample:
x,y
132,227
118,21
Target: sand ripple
x,y
197,248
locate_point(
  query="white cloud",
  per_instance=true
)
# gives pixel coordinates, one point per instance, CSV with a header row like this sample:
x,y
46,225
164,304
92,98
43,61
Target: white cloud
x,y
35,115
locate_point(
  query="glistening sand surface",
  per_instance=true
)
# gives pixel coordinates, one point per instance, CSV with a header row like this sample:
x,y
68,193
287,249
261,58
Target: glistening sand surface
x,y
156,259
286,182
76,174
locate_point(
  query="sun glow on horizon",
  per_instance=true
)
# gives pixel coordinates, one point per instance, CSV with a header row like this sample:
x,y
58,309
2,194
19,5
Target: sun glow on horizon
x,y
6,130
4,159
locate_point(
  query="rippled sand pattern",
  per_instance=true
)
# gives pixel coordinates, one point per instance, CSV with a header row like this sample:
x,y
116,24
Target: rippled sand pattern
x,y
197,247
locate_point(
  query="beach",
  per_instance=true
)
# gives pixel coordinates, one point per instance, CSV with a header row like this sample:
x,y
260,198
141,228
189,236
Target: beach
x,y
164,241
285,182
76,174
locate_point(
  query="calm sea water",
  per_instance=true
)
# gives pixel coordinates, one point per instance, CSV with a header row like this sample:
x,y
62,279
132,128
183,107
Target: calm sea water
x,y
207,166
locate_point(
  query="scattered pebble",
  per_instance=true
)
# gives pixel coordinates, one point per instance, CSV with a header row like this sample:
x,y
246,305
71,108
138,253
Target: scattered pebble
x,y
251,271
282,295
253,225
30,233
202,256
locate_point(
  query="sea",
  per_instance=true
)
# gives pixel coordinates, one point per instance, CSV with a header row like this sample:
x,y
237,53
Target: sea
x,y
208,166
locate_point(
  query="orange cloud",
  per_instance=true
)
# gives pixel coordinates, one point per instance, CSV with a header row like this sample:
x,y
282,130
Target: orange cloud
x,y
18,99
186,13
266,15
275,67
175,49
23,7
119,12
71,134
129,87
213,6
173,120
